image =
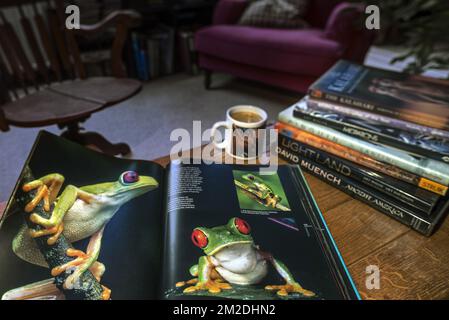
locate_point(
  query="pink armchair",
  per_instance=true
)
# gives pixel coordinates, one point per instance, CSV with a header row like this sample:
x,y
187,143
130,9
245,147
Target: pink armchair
x,y
287,58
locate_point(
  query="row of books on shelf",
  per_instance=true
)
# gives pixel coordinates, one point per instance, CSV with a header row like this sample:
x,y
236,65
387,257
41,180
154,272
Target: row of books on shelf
x,y
380,136
154,52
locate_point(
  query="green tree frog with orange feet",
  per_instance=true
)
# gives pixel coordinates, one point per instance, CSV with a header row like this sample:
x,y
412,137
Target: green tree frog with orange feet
x,y
233,258
78,213
263,191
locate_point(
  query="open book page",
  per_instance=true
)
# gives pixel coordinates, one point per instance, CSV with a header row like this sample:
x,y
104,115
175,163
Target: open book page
x,y
232,232
116,210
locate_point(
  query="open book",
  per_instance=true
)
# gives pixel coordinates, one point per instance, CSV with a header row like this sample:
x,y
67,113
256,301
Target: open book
x,y
83,225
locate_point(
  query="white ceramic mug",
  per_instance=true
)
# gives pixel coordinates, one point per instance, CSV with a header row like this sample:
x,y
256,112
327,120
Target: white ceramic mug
x,y
234,143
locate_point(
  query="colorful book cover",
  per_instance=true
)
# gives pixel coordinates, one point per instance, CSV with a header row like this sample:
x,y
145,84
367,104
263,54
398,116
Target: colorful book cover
x,y
425,224
407,97
434,174
422,144
408,194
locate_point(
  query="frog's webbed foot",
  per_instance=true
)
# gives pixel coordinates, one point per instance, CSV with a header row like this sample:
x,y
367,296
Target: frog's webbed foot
x,y
54,231
184,283
47,189
54,225
271,203
213,286
81,263
284,290
42,290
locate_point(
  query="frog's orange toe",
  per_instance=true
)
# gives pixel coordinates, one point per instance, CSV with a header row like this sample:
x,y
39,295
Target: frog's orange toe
x,y
282,293
55,231
214,290
42,193
225,285
284,290
190,289
183,283
106,295
211,286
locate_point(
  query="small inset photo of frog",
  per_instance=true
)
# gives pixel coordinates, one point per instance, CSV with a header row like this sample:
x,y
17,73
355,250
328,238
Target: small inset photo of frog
x,y
260,192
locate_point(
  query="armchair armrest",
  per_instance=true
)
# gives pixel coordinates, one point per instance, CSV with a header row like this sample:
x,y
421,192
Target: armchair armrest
x,y
345,25
229,11
342,23
122,20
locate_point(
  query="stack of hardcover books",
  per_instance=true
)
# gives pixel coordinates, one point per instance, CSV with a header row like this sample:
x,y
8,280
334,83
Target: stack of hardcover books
x,y
380,136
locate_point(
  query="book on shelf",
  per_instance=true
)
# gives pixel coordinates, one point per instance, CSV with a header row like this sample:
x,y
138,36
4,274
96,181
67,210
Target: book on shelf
x,y
149,229
417,143
140,56
419,170
153,56
154,52
411,98
187,52
166,36
423,223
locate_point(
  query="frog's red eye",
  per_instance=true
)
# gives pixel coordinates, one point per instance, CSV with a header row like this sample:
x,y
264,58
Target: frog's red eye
x,y
129,177
242,226
199,238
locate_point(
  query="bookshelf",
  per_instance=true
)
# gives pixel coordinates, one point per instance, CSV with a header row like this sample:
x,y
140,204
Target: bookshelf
x,y
163,44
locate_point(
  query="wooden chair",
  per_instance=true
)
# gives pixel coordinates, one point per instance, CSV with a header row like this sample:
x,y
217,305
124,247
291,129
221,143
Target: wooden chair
x,y
52,87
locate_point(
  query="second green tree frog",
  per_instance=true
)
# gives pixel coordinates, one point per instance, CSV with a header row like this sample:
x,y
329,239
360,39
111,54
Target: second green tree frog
x,y
231,257
261,190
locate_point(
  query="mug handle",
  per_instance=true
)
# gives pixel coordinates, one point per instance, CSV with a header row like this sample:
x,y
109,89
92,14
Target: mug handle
x,y
216,126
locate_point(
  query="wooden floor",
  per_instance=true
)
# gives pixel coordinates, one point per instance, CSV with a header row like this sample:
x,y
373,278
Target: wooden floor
x,y
411,266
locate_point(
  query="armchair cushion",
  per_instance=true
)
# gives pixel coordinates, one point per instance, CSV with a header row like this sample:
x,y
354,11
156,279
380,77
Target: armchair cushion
x,y
306,52
275,14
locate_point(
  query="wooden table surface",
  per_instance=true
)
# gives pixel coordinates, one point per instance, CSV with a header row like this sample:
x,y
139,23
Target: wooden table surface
x,y
411,266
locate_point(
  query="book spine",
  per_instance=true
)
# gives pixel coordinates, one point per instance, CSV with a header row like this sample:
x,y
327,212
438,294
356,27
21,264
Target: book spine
x,y
136,51
420,118
396,123
144,62
294,151
427,168
193,55
359,158
356,190
370,135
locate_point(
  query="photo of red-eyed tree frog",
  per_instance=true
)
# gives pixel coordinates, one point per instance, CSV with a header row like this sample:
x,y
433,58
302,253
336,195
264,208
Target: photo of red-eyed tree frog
x,y
232,258
79,213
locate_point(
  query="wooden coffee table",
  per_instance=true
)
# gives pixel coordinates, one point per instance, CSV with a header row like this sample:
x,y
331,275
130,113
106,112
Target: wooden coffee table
x,y
411,266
